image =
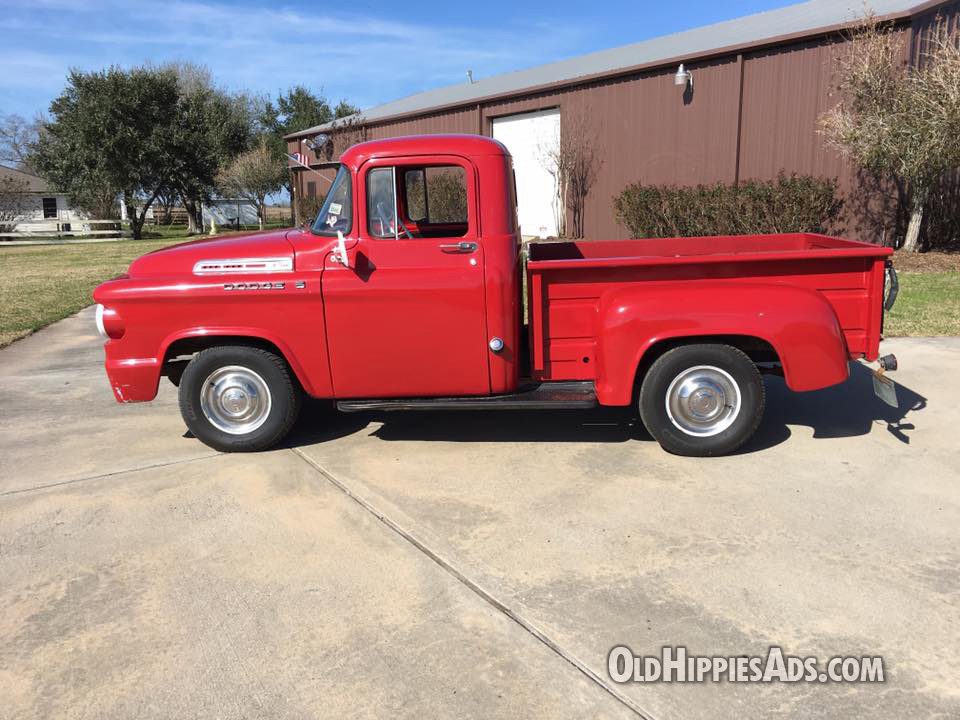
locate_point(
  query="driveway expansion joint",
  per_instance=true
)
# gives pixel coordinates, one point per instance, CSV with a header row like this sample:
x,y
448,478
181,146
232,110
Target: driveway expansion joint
x,y
447,566
113,473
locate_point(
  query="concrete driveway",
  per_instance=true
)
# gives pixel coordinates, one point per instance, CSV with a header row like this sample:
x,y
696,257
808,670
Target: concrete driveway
x,y
468,565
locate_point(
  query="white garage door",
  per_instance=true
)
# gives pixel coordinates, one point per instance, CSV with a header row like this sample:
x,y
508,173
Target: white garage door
x,y
529,138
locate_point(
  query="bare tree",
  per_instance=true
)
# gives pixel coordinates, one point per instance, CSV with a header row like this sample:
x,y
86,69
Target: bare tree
x,y
551,157
346,133
14,199
573,160
895,120
583,163
17,137
253,176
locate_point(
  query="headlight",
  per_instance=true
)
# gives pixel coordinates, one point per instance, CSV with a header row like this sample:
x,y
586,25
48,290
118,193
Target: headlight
x,y
109,323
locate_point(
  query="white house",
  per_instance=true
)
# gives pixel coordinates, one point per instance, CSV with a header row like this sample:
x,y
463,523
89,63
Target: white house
x,y
38,208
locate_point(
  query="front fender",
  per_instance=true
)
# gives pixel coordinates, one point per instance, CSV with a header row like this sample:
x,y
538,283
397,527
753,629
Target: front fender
x,y
798,323
251,333
157,313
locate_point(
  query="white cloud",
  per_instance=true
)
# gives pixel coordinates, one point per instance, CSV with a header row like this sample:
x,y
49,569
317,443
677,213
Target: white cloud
x,y
362,58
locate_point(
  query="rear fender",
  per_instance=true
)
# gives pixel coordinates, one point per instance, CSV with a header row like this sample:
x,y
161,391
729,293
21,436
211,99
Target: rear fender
x,y
798,323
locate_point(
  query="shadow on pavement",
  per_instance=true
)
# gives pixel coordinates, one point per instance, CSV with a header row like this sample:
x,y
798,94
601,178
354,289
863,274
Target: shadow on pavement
x,y
847,410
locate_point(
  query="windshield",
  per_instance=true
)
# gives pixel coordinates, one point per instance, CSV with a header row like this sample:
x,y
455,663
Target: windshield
x,y
337,210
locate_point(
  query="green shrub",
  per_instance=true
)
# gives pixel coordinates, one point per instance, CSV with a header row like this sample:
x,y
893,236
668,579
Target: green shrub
x,y
791,203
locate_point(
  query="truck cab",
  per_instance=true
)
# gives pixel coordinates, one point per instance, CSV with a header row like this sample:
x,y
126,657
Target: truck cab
x,y
429,275
408,291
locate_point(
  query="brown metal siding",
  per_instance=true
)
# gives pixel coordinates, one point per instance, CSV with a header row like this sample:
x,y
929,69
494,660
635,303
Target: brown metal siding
x,y
648,131
946,18
454,121
784,94
645,128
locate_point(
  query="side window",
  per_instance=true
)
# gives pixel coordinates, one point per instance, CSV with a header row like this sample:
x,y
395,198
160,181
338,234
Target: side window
x,y
381,203
435,198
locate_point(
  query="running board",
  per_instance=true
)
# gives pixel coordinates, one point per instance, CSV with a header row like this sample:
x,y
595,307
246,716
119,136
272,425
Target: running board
x,y
536,396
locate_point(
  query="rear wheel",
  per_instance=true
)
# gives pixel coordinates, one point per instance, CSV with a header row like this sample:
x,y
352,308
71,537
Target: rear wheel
x,y
701,400
238,399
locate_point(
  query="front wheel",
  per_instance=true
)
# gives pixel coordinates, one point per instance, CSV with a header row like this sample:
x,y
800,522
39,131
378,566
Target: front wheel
x,y
238,399
701,400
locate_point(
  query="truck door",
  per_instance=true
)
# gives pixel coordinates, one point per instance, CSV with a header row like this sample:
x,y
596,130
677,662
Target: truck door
x,y
407,318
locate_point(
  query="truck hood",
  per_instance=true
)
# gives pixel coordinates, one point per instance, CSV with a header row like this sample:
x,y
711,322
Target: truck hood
x,y
181,259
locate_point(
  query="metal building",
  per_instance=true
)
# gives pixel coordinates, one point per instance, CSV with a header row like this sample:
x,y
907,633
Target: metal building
x,y
758,86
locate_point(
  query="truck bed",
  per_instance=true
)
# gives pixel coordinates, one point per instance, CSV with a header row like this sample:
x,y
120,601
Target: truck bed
x,y
567,281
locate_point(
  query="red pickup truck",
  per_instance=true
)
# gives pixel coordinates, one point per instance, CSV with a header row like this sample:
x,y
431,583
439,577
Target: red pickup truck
x,y
405,293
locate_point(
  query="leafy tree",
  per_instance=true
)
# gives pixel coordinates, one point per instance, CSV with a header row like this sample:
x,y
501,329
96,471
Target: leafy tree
x,y
897,121
344,109
97,197
253,176
213,126
297,109
113,133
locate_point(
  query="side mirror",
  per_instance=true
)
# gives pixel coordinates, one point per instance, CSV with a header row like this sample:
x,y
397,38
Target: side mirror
x,y
342,256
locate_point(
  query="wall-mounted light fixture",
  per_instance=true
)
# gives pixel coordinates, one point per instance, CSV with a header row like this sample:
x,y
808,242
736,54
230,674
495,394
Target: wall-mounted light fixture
x,y
683,78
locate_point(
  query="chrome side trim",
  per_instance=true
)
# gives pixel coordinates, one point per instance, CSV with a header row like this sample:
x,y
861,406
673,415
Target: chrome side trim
x,y
228,266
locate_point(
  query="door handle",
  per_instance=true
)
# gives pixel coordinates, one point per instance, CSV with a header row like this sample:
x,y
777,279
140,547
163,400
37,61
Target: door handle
x,y
460,247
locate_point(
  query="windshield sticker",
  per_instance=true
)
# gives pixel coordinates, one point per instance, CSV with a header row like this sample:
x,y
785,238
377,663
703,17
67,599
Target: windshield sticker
x,y
335,208
331,220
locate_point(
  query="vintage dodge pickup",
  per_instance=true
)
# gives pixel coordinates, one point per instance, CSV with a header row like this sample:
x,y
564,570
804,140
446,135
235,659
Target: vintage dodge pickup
x,y
405,293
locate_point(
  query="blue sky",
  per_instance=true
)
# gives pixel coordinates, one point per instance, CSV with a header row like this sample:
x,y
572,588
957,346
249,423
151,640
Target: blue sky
x,y
365,52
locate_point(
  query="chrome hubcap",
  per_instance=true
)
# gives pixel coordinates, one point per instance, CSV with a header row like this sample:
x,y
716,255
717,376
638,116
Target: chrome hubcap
x,y
235,400
703,401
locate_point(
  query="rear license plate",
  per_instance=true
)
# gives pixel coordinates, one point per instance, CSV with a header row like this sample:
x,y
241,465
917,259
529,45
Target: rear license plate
x,y
885,389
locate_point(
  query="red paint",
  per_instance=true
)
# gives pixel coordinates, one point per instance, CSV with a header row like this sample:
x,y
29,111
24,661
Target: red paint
x,y
409,319
815,299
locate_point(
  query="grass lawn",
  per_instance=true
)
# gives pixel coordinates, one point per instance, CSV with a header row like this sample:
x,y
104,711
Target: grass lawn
x,y
46,283
50,282
929,304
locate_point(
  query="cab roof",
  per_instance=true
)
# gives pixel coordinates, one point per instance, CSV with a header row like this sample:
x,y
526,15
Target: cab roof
x,y
463,145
